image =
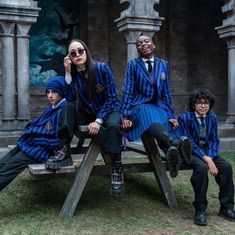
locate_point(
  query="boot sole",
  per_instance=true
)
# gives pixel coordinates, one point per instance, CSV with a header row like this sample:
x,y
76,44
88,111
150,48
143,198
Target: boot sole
x,y
173,160
58,165
185,148
220,214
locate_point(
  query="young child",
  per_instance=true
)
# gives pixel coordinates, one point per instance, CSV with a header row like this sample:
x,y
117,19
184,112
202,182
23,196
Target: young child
x,y
200,125
40,140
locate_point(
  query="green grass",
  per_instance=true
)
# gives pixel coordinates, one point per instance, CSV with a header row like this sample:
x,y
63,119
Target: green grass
x,y
32,207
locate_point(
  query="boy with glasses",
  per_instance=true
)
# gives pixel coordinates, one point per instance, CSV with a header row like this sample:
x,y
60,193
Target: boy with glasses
x,y
200,125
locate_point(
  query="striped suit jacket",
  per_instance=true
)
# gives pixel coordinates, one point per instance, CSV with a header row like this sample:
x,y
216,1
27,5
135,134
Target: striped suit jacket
x,y
106,99
189,126
40,138
138,88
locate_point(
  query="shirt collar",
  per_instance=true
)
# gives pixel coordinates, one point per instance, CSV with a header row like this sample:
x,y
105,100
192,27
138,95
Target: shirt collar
x,y
199,116
55,106
151,59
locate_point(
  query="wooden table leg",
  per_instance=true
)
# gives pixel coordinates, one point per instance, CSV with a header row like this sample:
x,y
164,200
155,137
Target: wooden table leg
x,y
159,169
81,178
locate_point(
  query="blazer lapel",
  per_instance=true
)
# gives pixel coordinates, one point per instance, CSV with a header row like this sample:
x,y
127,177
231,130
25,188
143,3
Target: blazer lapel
x,y
195,125
143,69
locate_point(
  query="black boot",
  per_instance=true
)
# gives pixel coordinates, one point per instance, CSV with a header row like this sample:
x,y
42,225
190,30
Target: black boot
x,y
117,184
60,159
173,160
185,149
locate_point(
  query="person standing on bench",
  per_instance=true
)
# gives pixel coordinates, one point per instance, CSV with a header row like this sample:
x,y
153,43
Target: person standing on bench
x,y
93,101
147,104
40,140
200,124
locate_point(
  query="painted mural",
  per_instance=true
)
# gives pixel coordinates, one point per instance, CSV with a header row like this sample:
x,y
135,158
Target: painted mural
x,y
57,24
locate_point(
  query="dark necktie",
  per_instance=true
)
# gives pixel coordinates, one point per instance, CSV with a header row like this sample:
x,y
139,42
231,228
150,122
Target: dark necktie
x,y
150,67
203,124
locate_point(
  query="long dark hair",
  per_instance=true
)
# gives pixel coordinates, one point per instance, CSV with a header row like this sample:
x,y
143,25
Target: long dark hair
x,y
89,68
199,94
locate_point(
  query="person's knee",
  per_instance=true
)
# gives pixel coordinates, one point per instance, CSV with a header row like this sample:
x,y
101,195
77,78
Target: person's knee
x,y
156,127
113,121
201,170
227,167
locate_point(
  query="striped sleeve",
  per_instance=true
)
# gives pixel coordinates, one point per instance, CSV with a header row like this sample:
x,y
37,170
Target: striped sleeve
x,y
128,89
213,142
105,74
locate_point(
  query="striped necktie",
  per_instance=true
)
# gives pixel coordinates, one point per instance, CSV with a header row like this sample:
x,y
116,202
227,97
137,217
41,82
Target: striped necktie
x,y
203,124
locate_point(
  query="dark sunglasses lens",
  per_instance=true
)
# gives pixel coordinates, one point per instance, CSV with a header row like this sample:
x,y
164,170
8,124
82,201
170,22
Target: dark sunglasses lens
x,y
73,54
80,51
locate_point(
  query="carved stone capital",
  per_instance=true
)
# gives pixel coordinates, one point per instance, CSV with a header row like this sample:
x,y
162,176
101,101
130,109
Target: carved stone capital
x,y
22,29
139,16
7,29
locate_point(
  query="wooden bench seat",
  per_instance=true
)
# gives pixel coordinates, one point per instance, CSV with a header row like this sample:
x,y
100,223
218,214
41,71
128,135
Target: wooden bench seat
x,y
88,166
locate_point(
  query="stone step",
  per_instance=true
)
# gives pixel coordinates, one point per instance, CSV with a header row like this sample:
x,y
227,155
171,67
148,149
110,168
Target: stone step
x,y
227,143
226,130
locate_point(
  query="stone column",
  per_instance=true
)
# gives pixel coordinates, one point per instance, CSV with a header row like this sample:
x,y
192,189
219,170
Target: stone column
x,y
22,42
16,17
139,17
227,32
8,74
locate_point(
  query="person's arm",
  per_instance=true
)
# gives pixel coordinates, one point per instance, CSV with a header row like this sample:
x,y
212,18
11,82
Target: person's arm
x,y
213,140
128,90
70,94
111,100
211,165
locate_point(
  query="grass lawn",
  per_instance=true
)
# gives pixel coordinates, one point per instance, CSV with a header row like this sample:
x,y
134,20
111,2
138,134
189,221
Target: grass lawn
x,y
32,207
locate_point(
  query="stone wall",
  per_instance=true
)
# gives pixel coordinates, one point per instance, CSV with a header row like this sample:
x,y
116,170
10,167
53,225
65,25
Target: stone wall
x,y
187,39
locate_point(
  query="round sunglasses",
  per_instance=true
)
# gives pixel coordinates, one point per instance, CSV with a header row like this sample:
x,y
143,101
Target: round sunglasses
x,y
77,52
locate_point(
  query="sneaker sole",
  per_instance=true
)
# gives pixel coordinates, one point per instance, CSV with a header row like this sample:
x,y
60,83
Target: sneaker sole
x,y
116,193
173,160
57,166
185,148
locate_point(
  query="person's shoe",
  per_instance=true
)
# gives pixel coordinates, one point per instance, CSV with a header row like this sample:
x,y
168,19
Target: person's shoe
x,y
200,218
185,149
117,184
228,214
60,159
173,160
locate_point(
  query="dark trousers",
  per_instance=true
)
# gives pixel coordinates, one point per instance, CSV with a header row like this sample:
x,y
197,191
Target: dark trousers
x,y
163,137
224,179
14,162
110,136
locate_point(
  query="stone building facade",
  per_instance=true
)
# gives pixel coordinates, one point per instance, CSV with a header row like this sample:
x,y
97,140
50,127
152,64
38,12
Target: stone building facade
x,y
195,36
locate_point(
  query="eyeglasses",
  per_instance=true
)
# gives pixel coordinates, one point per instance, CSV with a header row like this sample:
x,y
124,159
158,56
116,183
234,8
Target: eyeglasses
x,y
78,52
203,103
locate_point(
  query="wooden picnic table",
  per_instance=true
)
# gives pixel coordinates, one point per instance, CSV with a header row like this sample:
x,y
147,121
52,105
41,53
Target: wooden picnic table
x,y
88,167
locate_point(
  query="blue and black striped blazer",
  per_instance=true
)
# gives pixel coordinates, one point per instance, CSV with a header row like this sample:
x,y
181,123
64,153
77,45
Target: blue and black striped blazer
x,y
138,88
40,138
189,126
106,99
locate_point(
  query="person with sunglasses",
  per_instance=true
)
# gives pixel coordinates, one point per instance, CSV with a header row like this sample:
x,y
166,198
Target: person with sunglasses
x,y
200,124
93,101
147,104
